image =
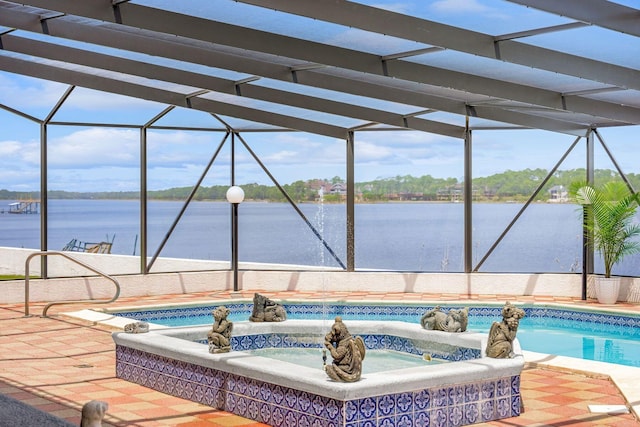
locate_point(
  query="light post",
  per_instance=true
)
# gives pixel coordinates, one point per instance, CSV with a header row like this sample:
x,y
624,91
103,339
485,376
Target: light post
x,y
235,196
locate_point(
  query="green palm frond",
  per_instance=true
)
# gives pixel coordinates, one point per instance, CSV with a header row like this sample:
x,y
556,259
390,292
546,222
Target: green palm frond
x,y
611,209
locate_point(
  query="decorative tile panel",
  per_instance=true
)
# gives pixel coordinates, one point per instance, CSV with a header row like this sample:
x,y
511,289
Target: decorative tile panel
x,y
457,405
440,351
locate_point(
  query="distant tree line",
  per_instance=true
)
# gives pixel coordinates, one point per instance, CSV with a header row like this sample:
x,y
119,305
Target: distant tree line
x,y
505,186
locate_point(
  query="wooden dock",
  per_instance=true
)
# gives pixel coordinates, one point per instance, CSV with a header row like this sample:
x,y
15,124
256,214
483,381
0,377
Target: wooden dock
x,y
24,207
76,245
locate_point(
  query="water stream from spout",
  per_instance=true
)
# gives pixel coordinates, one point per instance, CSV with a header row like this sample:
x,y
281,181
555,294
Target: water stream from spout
x,y
320,220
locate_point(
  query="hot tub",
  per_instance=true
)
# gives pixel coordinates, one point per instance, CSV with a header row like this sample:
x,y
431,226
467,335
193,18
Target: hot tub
x,y
469,389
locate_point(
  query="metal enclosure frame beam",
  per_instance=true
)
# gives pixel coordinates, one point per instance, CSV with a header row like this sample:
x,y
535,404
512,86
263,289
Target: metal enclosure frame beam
x,y
433,33
606,14
238,39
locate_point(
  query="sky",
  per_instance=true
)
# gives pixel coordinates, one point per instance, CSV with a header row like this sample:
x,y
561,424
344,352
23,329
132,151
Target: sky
x,y
85,158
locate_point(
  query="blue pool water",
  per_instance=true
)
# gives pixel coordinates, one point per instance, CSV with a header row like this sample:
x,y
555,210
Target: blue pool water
x,y
600,336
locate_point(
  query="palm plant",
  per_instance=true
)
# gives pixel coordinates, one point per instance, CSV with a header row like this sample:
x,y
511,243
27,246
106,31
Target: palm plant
x,y
609,219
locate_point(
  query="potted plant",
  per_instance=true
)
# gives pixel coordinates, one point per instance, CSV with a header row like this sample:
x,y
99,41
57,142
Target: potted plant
x,y
609,220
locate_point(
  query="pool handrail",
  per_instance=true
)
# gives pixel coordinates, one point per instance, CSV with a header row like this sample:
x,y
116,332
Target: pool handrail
x,y
75,260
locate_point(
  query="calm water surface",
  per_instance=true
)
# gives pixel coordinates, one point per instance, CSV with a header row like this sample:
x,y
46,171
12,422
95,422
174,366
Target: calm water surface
x,y
389,236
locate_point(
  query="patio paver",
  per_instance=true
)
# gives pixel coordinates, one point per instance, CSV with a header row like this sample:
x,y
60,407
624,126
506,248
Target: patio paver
x,y
57,364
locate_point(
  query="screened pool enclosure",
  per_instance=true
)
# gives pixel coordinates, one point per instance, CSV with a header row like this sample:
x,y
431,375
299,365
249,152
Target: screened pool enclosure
x,y
128,120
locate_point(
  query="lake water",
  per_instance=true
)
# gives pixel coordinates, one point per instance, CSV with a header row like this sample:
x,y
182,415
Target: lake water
x,y
389,236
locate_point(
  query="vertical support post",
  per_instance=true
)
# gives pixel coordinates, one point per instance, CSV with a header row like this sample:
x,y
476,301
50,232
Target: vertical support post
x,y
143,201
585,252
468,197
233,158
350,202
44,200
235,196
587,247
234,217
234,245
44,187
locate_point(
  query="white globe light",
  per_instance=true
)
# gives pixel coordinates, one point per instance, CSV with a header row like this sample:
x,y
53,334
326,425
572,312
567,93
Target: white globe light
x,y
235,194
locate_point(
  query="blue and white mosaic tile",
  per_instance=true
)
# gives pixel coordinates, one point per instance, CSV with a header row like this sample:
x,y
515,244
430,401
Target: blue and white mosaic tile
x,y
372,342
276,405
412,313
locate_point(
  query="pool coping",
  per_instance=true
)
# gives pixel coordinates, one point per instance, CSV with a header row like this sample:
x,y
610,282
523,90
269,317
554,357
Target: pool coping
x,y
471,387
625,378
177,343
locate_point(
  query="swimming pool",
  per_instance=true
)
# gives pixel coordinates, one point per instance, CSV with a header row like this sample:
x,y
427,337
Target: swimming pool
x,y
585,334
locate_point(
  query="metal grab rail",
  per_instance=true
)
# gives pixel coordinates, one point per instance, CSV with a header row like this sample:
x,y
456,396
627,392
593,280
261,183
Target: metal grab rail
x,y
62,254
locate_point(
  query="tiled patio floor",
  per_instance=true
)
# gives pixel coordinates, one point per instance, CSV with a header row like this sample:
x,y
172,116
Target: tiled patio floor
x,y
57,364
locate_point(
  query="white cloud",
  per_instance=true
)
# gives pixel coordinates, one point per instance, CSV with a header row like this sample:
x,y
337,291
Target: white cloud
x,y
285,156
101,146
367,152
19,155
95,146
298,139
9,148
92,100
25,92
180,147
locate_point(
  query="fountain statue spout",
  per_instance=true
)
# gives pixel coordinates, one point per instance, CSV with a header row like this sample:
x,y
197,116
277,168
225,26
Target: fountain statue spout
x,y
347,353
219,337
454,321
266,310
502,334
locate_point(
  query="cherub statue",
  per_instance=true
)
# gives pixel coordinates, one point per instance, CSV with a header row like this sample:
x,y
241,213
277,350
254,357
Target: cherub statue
x,y
219,338
266,310
347,353
502,334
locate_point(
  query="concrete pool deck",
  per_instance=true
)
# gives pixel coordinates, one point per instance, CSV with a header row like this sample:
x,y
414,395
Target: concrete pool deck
x,y
57,364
